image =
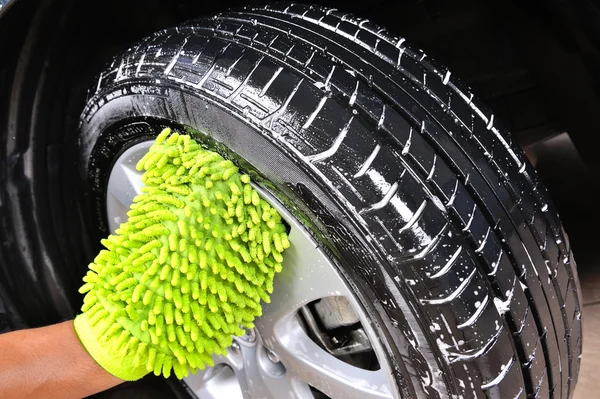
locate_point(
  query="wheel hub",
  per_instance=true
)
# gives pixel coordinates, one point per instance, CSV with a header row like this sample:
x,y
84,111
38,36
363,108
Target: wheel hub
x,y
286,355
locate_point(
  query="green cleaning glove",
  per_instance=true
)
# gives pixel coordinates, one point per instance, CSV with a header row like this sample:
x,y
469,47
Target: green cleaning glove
x,y
188,269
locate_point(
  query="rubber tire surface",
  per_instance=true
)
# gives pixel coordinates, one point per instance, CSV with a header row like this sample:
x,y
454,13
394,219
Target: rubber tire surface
x,y
428,207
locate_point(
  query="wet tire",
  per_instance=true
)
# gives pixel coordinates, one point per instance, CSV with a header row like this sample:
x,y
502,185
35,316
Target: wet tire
x,y
431,212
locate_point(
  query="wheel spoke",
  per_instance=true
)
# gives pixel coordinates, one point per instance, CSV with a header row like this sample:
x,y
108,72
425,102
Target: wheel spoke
x,y
306,276
118,212
124,184
308,362
219,379
255,374
133,177
268,379
122,187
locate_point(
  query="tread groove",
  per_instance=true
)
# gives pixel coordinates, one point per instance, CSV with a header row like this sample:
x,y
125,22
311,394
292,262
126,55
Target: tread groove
x,y
334,147
391,191
367,164
453,295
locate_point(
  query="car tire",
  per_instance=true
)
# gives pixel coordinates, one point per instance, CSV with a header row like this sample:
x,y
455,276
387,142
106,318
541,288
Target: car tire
x,y
427,207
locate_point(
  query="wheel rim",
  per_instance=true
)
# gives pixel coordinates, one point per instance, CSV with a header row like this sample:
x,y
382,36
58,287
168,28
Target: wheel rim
x,y
278,358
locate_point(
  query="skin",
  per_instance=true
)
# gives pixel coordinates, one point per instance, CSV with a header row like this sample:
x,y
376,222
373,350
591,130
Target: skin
x,y
49,362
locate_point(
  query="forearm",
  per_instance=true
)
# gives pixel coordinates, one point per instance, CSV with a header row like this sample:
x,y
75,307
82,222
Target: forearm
x,y
49,362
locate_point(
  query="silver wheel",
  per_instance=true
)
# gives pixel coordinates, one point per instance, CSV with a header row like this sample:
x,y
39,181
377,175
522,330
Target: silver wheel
x,y
289,354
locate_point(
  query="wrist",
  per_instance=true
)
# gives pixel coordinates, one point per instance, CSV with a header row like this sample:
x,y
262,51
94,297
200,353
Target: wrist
x,y
120,364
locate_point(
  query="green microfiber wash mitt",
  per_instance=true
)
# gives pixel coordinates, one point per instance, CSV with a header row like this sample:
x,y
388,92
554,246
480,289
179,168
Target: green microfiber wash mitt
x,y
188,269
